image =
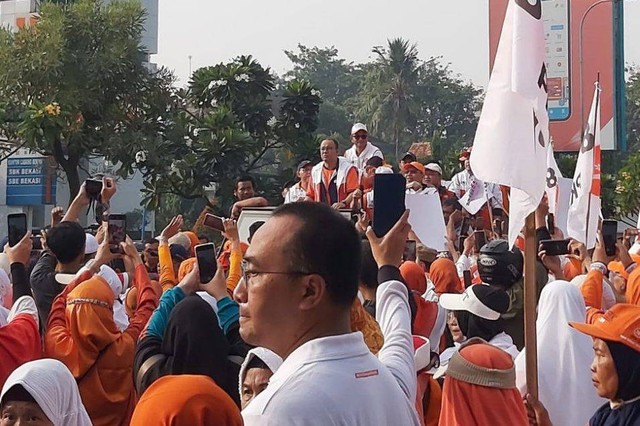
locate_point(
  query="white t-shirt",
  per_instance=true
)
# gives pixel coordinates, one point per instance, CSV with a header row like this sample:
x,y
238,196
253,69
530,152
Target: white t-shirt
x,y
295,193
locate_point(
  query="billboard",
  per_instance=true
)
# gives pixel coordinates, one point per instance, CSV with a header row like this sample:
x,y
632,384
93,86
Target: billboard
x,y
568,112
31,181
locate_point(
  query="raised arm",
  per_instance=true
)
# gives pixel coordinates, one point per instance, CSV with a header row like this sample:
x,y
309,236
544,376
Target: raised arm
x,y
393,311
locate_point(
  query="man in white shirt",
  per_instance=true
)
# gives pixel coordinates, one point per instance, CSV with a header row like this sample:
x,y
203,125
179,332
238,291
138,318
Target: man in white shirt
x,y
465,182
300,282
362,150
298,192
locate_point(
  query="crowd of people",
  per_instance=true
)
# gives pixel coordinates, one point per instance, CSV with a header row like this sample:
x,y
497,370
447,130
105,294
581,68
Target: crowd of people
x,y
316,320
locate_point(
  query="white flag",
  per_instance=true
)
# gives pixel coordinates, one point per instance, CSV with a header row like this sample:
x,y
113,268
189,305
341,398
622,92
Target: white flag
x,y
553,178
584,211
510,143
476,197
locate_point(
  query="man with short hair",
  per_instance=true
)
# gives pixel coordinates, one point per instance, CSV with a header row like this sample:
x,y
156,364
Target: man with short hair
x,y
65,252
300,282
333,179
362,150
245,192
298,191
407,157
433,178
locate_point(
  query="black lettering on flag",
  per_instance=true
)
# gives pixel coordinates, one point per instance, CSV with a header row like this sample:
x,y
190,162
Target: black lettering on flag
x,y
575,186
533,8
589,141
552,179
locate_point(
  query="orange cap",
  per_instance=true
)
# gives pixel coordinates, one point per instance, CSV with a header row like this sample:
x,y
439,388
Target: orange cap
x,y
619,324
414,165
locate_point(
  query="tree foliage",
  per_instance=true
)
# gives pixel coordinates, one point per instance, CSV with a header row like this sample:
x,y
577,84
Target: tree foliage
x,y
74,85
231,120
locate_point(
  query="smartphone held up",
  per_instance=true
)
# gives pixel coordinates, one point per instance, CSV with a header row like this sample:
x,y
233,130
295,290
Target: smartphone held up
x,y
206,258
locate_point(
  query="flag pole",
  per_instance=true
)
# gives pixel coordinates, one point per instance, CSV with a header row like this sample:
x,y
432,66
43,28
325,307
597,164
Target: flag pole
x,y
530,336
586,237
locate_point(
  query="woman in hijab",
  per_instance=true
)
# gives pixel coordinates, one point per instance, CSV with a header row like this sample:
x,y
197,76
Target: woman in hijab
x,y
19,338
564,357
119,312
186,400
478,313
444,275
184,336
255,372
82,334
480,388
44,390
615,369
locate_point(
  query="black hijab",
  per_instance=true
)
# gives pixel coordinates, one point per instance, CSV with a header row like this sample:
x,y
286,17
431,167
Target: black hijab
x,y
474,326
194,343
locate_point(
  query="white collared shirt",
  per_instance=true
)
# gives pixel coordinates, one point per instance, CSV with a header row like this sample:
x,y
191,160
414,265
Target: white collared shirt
x,y
337,381
360,161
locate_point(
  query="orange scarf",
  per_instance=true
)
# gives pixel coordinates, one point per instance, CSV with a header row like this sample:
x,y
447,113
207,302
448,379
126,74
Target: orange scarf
x,y
186,400
414,276
469,404
445,277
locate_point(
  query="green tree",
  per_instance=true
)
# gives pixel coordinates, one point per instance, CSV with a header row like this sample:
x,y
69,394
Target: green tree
x,y
338,81
74,86
387,98
231,121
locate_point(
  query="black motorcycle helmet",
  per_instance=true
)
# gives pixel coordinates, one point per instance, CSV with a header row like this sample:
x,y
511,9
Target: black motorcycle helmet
x,y
499,266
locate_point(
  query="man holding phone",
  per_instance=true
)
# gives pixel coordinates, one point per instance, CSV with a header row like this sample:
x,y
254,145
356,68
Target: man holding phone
x,y
333,179
65,253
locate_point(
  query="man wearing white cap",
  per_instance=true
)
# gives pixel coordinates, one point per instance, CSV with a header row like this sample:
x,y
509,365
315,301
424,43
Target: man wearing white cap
x,y
433,179
362,150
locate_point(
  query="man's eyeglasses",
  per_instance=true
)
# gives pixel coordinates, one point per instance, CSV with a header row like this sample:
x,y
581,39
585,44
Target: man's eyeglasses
x,y
356,137
249,274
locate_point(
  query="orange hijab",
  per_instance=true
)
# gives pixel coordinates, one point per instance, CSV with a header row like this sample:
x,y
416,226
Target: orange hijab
x,y
185,267
186,400
193,238
470,404
414,276
444,275
98,355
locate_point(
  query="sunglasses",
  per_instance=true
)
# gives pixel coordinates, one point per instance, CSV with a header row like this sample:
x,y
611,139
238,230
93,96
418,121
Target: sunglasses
x,y
360,136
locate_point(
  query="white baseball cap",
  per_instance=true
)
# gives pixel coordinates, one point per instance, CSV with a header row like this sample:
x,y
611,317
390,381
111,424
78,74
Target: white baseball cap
x,y
481,300
434,167
357,127
90,244
383,170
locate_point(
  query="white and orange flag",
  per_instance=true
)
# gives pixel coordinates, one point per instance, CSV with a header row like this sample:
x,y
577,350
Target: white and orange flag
x,y
510,146
585,211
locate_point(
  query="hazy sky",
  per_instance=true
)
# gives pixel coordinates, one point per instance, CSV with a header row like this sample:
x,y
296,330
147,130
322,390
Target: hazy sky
x,y
216,31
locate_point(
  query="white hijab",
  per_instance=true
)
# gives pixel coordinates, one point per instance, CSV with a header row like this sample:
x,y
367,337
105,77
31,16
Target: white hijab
x,y
564,358
119,312
53,387
272,360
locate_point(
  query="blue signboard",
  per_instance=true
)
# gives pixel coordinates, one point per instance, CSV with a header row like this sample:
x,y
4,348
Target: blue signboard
x,y
31,181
